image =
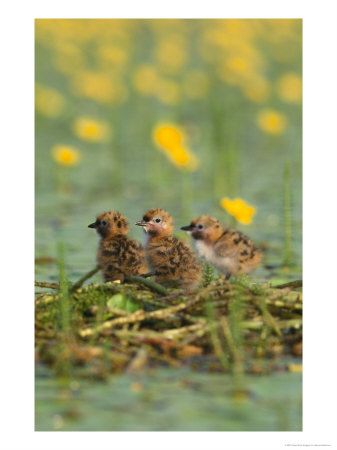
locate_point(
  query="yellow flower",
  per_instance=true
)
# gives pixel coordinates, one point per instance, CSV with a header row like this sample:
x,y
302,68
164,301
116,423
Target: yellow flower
x,y
145,79
271,121
256,89
90,129
195,84
170,138
48,101
289,88
239,68
65,155
171,53
167,91
238,65
239,209
112,56
182,158
168,135
99,86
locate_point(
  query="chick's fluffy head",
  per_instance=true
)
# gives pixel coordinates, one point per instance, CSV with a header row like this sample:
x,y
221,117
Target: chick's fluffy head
x,y
157,222
205,227
111,223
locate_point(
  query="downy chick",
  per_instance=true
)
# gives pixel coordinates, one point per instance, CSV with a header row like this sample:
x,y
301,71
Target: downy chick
x,y
170,258
229,251
117,254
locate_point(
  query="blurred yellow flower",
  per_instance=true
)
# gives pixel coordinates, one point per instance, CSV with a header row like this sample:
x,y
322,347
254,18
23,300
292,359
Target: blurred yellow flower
x,y
167,91
239,209
65,155
145,79
48,101
112,56
256,89
171,54
238,69
91,129
271,121
99,86
195,84
168,135
182,158
289,88
238,65
170,138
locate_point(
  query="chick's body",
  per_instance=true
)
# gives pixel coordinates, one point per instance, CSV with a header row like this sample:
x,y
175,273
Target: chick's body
x,y
170,258
118,255
230,251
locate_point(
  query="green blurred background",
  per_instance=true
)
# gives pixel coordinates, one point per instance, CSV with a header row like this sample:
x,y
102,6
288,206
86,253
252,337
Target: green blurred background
x,y
232,87
231,90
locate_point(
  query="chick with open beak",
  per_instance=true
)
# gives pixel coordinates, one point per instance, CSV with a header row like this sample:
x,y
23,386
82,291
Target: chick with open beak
x,y
170,258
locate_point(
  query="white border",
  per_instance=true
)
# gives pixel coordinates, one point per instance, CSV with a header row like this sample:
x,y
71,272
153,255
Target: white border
x,y
320,119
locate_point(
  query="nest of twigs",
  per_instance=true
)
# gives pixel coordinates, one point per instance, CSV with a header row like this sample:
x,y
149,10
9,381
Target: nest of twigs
x,y
237,327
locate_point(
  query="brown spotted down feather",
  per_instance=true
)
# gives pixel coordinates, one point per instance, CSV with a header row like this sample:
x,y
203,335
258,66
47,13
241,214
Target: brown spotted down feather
x,y
230,251
118,255
172,259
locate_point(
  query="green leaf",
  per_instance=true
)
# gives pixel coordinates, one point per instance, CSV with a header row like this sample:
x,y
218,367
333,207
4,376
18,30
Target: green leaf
x,y
121,301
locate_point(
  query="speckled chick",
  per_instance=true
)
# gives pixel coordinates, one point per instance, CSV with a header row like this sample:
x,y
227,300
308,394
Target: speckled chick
x,y
168,256
118,255
229,251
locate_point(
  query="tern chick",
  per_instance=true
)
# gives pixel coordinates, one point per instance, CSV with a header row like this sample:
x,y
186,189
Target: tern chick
x,y
118,255
170,258
229,251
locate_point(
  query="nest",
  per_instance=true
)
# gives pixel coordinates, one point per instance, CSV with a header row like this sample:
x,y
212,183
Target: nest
x,y
237,327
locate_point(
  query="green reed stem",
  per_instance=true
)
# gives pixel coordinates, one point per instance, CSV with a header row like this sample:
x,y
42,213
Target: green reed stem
x,y
220,175
207,276
288,254
233,332
268,318
236,354
149,283
213,328
63,361
64,296
85,277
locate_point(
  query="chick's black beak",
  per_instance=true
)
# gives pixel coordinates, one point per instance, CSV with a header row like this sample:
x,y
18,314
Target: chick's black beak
x,y
141,223
93,225
187,228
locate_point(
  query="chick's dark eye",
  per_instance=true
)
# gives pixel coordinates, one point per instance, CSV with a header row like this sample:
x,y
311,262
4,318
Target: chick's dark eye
x,y
200,227
157,220
103,222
